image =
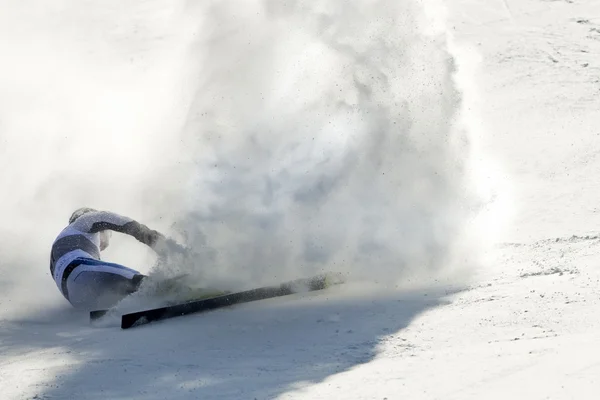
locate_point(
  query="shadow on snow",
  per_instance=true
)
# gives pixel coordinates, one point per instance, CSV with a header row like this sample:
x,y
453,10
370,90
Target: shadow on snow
x,y
250,351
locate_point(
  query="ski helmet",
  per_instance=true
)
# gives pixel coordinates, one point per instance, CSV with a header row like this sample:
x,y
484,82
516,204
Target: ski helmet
x,y
79,212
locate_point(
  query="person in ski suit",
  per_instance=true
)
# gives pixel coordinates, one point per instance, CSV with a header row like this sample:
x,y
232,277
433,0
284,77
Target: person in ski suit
x,y
82,277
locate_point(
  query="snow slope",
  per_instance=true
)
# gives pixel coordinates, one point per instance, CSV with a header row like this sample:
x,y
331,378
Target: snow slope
x,y
525,326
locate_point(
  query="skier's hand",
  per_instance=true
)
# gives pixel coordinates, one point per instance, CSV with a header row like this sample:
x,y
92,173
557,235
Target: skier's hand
x,y
149,236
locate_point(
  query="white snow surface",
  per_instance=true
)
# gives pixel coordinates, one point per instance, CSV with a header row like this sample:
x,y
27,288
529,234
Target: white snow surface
x,y
98,84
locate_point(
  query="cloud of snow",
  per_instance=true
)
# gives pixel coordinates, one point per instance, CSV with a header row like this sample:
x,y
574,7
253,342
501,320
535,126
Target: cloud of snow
x,y
327,136
276,138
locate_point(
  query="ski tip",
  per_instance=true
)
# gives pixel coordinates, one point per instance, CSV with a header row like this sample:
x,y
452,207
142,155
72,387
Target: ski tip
x,y
333,278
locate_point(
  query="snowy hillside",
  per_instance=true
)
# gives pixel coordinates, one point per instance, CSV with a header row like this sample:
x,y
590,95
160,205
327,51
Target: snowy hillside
x,y
288,138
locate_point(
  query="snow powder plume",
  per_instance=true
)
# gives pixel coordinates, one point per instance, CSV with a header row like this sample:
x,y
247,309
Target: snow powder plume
x,y
317,137
326,136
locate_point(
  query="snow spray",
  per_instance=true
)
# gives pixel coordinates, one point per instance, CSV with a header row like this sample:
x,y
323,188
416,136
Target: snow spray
x,y
325,136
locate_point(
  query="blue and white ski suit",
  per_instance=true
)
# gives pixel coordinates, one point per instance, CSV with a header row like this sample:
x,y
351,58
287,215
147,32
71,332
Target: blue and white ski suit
x,y
82,277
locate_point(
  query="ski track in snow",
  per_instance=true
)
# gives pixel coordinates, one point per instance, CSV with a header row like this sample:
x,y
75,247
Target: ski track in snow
x,y
527,328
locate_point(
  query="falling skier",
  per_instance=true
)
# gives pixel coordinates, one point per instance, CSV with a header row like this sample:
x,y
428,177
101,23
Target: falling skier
x,y
82,277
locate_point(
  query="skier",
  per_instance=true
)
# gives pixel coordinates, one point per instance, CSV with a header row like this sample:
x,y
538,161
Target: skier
x,y
82,277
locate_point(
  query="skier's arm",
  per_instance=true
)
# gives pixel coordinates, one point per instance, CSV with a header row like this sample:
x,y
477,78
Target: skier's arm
x,y
98,221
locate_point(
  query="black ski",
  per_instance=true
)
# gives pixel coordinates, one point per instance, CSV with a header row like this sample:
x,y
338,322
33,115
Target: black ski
x,y
197,306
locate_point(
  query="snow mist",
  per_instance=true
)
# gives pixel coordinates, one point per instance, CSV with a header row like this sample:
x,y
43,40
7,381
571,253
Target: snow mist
x,y
88,110
276,138
325,136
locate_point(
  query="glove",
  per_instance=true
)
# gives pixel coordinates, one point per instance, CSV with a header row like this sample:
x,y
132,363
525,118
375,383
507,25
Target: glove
x,y
149,236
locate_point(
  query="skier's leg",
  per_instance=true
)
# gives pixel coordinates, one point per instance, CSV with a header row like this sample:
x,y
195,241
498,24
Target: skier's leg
x,y
98,285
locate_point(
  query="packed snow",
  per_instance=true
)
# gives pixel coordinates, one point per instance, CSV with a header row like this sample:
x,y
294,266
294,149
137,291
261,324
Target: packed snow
x,y
441,154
